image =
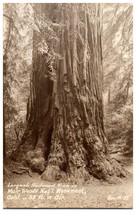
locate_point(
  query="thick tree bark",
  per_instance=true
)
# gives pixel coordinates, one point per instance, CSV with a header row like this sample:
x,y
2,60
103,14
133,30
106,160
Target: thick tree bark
x,y
65,117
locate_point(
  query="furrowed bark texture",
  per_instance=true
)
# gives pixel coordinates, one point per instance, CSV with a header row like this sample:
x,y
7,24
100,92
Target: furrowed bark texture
x,y
65,116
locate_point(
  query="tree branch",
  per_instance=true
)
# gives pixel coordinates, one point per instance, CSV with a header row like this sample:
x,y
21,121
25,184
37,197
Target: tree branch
x,y
8,17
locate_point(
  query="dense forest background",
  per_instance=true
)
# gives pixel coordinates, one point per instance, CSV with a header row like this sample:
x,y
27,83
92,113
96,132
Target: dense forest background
x,y
19,25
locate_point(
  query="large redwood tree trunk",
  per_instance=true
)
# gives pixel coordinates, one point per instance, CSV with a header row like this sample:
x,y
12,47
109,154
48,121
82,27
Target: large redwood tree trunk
x,y
65,108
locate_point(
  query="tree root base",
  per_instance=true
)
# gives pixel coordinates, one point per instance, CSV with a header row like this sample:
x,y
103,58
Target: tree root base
x,y
53,173
108,170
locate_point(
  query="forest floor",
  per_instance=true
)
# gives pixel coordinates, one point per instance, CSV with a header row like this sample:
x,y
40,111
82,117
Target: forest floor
x,y
96,194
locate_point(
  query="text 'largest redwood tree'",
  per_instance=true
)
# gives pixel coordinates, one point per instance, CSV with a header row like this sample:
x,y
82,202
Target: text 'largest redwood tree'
x,y
65,109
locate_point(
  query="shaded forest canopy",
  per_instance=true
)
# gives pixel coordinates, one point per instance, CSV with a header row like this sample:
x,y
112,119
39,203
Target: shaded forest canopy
x,y
73,68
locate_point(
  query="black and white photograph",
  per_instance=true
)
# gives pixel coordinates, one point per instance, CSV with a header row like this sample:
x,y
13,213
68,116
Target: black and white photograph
x,y
67,105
